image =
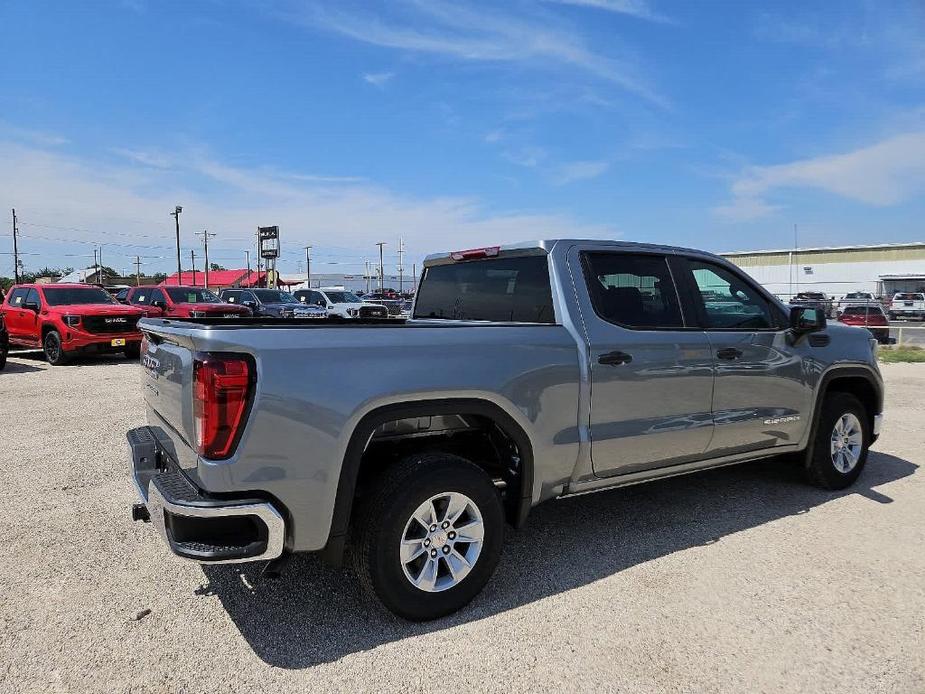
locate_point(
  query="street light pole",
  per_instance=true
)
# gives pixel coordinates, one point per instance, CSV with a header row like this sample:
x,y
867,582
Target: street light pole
x,y
381,268
176,215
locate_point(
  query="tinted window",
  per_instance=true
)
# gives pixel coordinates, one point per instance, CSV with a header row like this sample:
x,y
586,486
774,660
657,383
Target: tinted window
x,y
33,297
192,295
232,296
68,296
18,297
157,295
141,297
632,290
501,289
274,296
342,297
728,301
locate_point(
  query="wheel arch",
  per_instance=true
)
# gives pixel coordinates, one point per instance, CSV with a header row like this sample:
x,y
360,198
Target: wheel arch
x,y
860,381
362,435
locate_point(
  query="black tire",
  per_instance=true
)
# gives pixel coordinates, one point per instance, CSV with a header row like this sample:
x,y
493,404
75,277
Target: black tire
x,y
132,351
54,352
2,359
821,467
379,527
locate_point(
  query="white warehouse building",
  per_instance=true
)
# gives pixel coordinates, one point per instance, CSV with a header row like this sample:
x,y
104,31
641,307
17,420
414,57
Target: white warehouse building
x,y
880,269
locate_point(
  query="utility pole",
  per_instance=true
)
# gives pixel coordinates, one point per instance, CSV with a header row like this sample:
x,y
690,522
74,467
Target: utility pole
x,y
96,265
99,267
796,245
15,251
247,259
192,258
381,267
176,215
205,234
308,267
414,274
366,275
137,271
401,268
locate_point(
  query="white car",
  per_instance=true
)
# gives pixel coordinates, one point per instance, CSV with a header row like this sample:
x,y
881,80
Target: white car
x,y
340,302
908,305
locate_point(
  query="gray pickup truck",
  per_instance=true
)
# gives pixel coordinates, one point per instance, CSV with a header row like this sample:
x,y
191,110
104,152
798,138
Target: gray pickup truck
x,y
528,372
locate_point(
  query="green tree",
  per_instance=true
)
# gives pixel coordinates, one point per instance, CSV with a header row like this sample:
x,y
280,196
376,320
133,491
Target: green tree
x,y
214,267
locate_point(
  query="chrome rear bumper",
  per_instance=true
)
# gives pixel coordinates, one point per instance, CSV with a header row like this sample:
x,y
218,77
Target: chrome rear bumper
x,y
194,524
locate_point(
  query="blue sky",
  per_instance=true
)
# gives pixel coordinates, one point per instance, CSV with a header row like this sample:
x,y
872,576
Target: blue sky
x,y
712,124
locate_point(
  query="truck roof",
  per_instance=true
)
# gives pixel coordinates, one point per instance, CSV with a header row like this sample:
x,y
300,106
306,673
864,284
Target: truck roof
x,y
546,245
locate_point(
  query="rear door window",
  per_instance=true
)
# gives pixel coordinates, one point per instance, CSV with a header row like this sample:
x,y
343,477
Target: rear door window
x,y
632,290
500,289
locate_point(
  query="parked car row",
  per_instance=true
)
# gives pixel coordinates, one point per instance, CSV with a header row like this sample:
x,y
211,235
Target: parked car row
x,y
68,320
899,305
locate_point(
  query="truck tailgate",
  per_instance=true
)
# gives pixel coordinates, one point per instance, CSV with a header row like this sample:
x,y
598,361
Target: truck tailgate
x,y
167,366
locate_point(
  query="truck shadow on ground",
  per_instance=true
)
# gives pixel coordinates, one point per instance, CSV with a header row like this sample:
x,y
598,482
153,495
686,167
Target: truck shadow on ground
x,y
315,614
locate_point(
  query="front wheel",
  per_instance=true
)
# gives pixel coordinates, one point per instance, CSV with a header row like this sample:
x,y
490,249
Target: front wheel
x,y
429,536
842,440
2,359
54,352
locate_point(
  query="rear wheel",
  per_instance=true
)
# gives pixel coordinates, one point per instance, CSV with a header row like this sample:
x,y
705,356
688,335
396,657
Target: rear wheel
x,y
2,358
429,536
54,352
841,443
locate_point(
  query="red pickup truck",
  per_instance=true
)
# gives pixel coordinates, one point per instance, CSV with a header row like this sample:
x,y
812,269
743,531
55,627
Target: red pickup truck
x,y
70,319
182,302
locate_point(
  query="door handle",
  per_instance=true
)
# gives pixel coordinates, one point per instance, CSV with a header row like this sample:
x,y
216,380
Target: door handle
x,y
614,358
729,353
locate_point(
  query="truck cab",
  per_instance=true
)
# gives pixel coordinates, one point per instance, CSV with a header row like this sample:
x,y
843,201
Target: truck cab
x,y
181,302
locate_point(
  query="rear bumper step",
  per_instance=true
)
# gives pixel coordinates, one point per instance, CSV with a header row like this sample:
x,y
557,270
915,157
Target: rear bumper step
x,y
194,524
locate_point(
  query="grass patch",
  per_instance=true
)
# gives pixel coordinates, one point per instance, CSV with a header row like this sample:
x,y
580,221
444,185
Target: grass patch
x,y
890,355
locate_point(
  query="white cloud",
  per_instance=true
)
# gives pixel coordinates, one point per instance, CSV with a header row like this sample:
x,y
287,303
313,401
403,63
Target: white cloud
x,y
882,174
634,8
581,171
459,31
378,79
127,204
529,157
494,136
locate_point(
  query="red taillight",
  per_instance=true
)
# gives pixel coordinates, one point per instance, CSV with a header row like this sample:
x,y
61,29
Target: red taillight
x,y
473,253
222,388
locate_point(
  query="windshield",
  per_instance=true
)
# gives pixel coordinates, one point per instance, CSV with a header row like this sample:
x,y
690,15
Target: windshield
x,y
61,296
342,297
191,295
274,296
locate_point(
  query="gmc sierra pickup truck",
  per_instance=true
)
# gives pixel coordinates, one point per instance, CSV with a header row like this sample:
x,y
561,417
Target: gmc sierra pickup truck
x,y
67,320
527,372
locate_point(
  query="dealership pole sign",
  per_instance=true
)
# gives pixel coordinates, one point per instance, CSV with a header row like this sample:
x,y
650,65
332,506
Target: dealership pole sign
x,y
268,239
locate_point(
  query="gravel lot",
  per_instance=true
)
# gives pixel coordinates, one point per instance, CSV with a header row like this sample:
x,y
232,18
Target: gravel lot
x,y
740,579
